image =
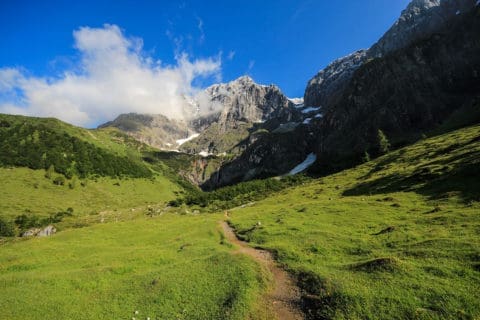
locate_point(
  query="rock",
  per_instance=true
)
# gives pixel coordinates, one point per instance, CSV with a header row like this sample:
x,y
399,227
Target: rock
x,y
405,93
155,130
241,104
47,231
31,232
328,84
418,21
39,232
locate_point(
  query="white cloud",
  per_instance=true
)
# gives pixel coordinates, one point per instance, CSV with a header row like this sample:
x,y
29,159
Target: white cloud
x,y
251,64
200,29
114,76
231,55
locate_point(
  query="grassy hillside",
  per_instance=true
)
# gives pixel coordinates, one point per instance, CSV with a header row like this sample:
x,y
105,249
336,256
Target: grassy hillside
x,y
395,238
48,166
28,191
166,267
39,143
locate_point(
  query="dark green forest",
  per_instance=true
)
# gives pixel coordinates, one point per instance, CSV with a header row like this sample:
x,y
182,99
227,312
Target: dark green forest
x,y
36,145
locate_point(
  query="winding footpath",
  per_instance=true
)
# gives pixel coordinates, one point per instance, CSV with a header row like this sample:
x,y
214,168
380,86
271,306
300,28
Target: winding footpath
x,y
284,298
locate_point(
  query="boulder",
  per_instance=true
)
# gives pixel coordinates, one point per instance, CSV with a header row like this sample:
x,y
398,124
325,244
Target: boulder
x,y
40,232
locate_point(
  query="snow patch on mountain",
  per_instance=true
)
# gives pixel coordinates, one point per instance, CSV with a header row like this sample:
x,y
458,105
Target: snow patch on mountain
x,y
310,109
182,141
311,158
298,101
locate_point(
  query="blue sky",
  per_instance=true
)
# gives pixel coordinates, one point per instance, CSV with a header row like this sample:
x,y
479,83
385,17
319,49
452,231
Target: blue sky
x,y
282,42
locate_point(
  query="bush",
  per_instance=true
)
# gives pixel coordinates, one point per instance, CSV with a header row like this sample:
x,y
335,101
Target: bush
x,y
59,181
50,171
73,183
232,196
7,229
25,222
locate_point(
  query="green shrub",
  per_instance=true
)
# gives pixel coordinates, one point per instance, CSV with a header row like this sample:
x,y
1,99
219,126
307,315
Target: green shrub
x,y
50,171
7,229
25,221
59,181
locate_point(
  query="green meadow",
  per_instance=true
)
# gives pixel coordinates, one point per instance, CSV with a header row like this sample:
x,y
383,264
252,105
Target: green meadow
x,y
165,267
28,191
397,237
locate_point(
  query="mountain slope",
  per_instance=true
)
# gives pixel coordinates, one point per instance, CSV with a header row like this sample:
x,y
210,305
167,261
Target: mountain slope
x,y
242,104
40,143
394,238
405,93
419,20
155,130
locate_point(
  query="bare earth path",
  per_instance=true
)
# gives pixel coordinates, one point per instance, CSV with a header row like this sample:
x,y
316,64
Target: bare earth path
x,y
284,299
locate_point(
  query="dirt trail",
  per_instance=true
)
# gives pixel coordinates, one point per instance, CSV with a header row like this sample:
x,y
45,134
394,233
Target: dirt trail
x,y
284,298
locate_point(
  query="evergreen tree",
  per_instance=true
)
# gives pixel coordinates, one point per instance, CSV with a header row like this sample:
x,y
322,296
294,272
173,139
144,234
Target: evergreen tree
x,y
383,143
366,157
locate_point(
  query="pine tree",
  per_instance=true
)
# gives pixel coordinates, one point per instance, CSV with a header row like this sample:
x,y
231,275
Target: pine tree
x,y
366,157
383,143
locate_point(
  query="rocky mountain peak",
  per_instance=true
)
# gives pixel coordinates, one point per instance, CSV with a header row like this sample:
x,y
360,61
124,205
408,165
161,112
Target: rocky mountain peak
x,y
244,80
420,19
328,83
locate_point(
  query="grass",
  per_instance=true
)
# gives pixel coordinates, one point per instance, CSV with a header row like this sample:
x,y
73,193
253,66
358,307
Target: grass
x,y
166,267
28,191
395,238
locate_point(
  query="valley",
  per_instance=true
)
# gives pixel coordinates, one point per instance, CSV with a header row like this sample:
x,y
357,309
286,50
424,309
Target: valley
x,y
360,200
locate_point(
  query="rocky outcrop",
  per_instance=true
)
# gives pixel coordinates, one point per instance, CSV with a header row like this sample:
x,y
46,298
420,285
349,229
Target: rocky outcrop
x,y
40,232
419,20
155,130
269,154
327,86
245,105
405,93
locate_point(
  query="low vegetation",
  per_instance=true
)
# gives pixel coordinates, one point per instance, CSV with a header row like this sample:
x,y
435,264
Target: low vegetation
x,y
166,267
238,194
395,238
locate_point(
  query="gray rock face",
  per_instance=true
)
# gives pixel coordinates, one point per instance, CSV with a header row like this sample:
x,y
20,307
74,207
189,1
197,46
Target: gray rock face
x,y
221,112
328,84
406,93
244,100
38,232
155,130
243,104
419,20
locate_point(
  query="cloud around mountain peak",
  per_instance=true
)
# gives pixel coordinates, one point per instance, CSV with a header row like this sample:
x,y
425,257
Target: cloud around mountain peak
x,y
113,75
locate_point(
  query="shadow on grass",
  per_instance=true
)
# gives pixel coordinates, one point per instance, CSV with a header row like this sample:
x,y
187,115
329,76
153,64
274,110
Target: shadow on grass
x,y
458,175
